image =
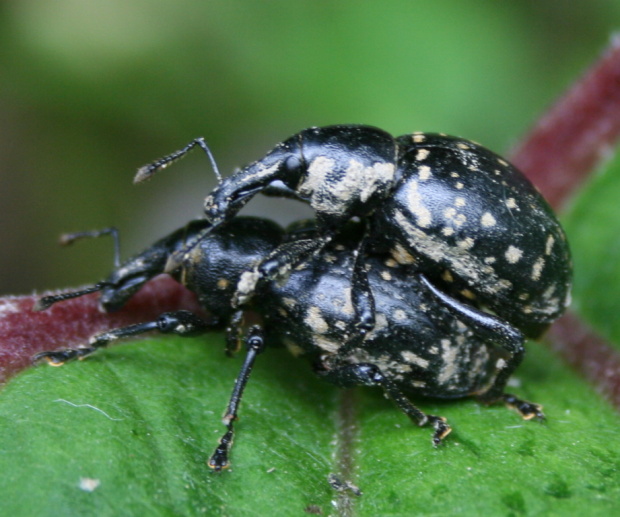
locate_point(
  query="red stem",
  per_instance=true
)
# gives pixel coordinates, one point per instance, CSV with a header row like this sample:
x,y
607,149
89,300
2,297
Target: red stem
x,y
560,152
71,323
581,129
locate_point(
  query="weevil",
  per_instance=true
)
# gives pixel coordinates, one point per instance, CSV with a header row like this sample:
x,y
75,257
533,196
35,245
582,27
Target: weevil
x,y
473,222
424,341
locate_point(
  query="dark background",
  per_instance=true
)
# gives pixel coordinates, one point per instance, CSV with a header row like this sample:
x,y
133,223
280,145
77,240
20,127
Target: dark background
x,y
90,90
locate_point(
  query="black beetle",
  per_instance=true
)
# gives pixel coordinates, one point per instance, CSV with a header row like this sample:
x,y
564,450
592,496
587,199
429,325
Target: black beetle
x,y
472,221
424,342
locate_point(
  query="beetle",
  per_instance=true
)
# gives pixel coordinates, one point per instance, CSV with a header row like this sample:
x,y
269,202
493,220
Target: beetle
x,y
472,221
424,341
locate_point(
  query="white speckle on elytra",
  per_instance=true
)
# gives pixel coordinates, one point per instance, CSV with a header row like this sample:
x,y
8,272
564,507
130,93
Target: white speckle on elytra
x,y
537,268
424,172
417,206
549,245
412,358
466,244
418,138
456,218
386,275
511,203
422,154
487,220
460,201
449,355
449,213
401,255
435,247
513,254
399,315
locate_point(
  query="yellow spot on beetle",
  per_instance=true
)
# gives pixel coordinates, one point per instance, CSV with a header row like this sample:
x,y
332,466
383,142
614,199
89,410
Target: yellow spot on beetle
x,y
537,268
487,220
422,154
466,243
425,172
513,255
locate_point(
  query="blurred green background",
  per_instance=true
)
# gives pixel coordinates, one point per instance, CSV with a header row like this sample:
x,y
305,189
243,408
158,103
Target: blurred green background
x,y
91,90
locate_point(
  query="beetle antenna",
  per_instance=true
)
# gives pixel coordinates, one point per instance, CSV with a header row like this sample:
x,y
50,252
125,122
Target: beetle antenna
x,y
144,173
47,301
69,238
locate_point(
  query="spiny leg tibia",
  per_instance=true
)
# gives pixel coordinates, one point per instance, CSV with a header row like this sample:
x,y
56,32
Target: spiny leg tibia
x,y
367,374
181,323
255,344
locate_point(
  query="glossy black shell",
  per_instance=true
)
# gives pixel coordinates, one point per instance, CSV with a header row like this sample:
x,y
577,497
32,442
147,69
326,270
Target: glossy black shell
x,y
416,343
471,220
479,226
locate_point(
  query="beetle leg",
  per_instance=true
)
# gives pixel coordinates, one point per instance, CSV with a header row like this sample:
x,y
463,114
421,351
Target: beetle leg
x,y
255,344
362,299
367,374
181,323
277,265
363,303
527,410
70,238
46,302
233,333
505,335
67,239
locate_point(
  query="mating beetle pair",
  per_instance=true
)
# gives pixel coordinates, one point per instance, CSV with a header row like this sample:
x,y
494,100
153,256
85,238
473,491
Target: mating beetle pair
x,y
399,300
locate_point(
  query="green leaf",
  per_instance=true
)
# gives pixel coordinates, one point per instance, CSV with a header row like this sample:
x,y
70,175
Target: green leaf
x,y
593,227
142,420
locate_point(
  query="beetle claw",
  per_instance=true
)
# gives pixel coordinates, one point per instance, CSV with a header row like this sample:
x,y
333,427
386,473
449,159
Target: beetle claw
x,y
527,410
